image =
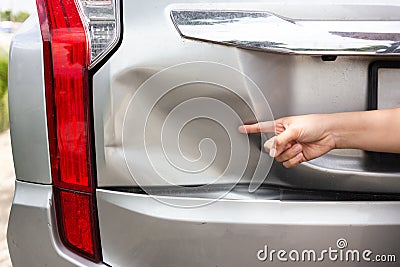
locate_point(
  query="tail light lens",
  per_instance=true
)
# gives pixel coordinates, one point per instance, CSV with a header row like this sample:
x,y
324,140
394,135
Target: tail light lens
x,y
76,216
76,36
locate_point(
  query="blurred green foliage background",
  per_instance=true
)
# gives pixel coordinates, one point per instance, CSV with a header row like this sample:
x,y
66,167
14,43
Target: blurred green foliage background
x,y
7,15
4,122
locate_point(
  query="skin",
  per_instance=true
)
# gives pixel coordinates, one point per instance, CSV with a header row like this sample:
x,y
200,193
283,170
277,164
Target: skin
x,y
302,138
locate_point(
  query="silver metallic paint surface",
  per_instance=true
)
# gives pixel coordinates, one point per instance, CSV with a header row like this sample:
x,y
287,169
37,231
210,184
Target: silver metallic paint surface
x,y
32,233
27,105
158,235
272,33
229,232
292,85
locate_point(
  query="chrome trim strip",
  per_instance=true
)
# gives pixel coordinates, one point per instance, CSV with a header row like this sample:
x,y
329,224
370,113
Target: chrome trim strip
x,y
268,32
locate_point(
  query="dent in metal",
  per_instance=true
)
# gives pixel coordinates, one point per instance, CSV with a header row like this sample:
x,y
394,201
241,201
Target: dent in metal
x,y
293,85
269,32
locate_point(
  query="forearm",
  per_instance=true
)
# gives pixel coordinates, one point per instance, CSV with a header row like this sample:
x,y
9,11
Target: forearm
x,y
377,130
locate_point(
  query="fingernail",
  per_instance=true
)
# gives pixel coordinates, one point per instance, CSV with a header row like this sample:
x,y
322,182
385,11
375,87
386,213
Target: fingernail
x,y
272,152
241,129
296,148
299,156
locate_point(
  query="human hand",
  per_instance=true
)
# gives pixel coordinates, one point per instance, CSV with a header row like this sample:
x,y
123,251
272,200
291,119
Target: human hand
x,y
298,138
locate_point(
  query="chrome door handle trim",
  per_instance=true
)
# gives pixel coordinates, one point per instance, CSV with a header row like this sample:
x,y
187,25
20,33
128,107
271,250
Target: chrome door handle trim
x,y
268,32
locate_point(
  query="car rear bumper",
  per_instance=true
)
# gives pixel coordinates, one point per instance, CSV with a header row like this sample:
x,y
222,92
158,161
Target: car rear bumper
x,y
139,230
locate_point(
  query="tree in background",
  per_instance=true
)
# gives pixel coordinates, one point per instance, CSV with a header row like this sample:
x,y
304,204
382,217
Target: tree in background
x,y
20,16
7,15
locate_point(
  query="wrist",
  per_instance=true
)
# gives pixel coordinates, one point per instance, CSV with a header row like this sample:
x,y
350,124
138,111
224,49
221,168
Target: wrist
x,y
335,130
345,128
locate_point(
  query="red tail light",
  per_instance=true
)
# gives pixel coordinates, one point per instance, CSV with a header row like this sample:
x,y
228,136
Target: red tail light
x,y
67,59
69,95
76,221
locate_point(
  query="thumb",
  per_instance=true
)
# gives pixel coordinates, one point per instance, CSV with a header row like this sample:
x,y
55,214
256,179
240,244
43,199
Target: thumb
x,y
282,140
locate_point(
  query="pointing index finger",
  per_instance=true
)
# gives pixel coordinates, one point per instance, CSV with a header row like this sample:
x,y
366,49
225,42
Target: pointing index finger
x,y
261,127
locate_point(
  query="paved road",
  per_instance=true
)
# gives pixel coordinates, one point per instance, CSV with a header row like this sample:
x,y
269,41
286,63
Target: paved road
x,y
7,178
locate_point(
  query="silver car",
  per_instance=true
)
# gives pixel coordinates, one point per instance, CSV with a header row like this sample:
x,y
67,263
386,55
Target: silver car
x,y
124,119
